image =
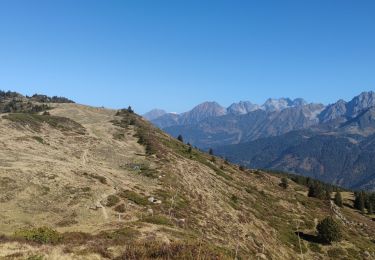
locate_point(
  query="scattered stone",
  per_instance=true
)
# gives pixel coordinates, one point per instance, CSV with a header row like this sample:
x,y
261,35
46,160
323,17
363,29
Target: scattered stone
x,y
366,254
181,222
153,200
336,210
95,207
150,212
261,256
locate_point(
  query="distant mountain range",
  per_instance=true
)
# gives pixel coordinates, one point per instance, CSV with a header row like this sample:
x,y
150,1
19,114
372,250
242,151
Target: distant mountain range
x,y
290,135
206,110
209,124
342,153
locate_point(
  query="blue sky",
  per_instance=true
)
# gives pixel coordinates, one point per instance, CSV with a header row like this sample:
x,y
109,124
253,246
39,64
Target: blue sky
x,y
176,54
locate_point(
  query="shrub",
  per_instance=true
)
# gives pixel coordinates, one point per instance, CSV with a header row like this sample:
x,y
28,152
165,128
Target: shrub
x,y
234,202
120,208
180,138
329,230
112,200
148,172
284,183
38,139
101,179
68,221
42,235
317,190
158,220
336,253
135,197
234,198
315,247
47,99
120,236
35,122
76,237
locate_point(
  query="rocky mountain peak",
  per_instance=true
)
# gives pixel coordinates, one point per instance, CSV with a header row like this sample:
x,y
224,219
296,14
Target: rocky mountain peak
x,y
155,113
242,107
202,111
349,109
361,102
282,103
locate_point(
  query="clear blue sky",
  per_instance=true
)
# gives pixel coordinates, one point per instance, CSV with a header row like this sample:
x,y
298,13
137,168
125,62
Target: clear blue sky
x,y
176,54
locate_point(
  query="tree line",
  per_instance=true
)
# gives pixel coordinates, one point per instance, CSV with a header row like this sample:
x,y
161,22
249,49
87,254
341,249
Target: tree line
x,y
364,201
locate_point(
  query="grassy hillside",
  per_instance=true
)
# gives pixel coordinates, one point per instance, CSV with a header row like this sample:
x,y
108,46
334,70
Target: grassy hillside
x,y
92,183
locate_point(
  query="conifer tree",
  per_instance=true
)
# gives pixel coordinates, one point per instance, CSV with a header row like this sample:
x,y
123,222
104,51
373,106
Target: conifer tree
x,y
327,194
284,183
359,202
316,190
130,110
329,230
370,210
338,199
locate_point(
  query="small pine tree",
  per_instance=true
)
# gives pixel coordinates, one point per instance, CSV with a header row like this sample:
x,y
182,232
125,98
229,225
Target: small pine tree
x,y
130,110
190,149
311,192
359,202
327,195
338,199
180,138
370,210
284,183
210,151
372,200
316,191
329,230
